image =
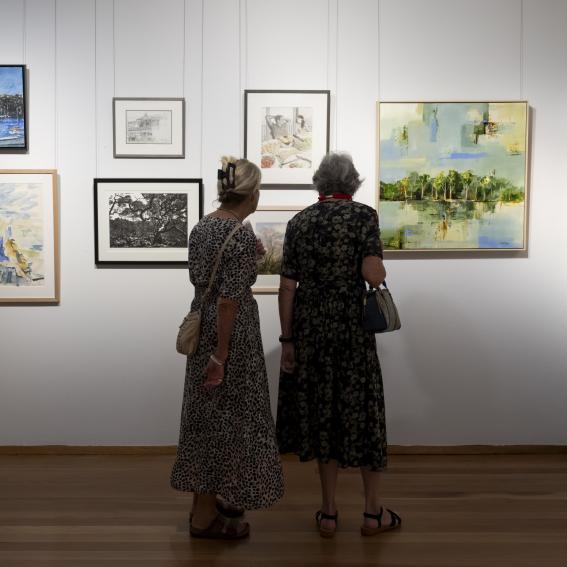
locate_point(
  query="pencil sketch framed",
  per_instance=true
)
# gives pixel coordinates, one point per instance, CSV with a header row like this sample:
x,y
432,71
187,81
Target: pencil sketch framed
x,y
286,134
145,221
29,236
269,224
149,127
13,109
453,176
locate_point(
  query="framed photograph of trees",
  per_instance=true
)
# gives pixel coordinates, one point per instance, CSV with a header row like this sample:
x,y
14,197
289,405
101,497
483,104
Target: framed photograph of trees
x,y
453,176
145,221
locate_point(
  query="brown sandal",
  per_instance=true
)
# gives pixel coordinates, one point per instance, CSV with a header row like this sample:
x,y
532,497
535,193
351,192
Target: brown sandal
x,y
222,528
326,532
395,523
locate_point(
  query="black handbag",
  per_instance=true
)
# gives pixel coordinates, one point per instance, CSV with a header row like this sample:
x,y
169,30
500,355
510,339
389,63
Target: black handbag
x,y
379,313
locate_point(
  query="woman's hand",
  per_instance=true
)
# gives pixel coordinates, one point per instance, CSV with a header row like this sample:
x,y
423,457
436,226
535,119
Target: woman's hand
x,y
215,375
260,250
288,358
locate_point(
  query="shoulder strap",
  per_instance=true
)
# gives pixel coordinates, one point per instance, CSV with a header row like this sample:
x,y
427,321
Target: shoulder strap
x,y
217,261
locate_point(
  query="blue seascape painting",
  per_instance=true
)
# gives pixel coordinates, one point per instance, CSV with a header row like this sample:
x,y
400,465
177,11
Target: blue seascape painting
x,y
12,107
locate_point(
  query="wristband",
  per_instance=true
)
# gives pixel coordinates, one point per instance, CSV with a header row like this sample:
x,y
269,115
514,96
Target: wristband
x,y
216,360
286,339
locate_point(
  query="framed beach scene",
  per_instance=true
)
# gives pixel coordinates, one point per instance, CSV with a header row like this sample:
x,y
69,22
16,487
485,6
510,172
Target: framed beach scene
x,y
13,113
29,236
453,176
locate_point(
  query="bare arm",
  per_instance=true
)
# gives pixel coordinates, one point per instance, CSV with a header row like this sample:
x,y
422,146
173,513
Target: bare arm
x,y
373,270
285,300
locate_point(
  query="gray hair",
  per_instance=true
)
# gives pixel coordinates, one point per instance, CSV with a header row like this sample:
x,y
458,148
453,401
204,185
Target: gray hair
x,y
337,174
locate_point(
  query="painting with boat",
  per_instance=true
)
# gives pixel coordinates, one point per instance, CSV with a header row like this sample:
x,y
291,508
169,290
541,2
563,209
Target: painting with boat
x,y
12,108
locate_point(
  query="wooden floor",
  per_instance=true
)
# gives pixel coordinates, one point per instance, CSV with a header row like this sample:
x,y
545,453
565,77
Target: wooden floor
x,y
472,511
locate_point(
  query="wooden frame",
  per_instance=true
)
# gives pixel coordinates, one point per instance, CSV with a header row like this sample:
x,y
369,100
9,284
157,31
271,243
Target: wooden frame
x,y
159,100
271,289
291,183
463,252
20,148
98,233
55,282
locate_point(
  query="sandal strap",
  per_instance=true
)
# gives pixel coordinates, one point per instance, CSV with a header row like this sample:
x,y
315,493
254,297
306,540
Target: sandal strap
x,y
377,517
395,518
322,516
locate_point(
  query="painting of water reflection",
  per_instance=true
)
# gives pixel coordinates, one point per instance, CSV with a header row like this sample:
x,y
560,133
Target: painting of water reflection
x,y
12,108
452,175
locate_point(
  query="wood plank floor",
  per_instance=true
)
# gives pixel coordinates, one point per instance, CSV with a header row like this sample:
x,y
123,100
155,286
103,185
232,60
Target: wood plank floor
x,y
469,511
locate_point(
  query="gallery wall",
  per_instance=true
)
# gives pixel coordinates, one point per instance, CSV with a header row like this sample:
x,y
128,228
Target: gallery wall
x,y
481,356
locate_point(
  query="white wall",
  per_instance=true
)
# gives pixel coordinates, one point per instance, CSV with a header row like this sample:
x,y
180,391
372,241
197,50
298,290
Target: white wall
x,y
478,360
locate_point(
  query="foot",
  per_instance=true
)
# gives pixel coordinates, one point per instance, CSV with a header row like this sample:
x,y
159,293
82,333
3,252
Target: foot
x,y
383,521
373,524
327,525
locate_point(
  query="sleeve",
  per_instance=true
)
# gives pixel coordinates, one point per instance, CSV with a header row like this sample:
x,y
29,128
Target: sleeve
x,y
290,263
238,266
371,243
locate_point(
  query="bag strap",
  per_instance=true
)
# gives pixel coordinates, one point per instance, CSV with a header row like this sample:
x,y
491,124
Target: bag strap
x,y
217,262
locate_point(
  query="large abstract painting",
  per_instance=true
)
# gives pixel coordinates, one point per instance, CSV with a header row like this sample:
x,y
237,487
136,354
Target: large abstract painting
x,y
13,127
145,221
29,260
453,175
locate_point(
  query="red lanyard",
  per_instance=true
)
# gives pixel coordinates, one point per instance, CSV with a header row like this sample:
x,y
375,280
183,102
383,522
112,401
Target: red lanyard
x,y
341,196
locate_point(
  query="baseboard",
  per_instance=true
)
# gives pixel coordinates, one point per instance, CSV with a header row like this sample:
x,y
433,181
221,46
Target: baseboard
x,y
151,450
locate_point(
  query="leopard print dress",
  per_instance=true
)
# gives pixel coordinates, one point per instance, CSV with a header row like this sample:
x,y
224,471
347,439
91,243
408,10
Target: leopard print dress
x,y
227,442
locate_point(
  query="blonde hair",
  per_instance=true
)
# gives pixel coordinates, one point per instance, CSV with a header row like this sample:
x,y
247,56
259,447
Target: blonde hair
x,y
247,178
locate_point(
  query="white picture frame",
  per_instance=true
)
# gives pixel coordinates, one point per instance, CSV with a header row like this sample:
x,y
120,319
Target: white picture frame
x,y
29,236
286,134
149,127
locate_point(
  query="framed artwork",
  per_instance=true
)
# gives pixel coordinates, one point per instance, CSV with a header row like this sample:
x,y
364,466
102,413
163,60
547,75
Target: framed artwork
x,y
13,112
286,133
145,221
453,176
29,236
269,224
149,127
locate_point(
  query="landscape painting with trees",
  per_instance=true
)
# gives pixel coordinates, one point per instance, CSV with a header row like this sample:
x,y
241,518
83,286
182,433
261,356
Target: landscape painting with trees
x,y
452,175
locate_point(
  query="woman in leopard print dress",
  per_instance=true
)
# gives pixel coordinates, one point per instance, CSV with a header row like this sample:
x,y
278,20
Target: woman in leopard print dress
x,y
227,444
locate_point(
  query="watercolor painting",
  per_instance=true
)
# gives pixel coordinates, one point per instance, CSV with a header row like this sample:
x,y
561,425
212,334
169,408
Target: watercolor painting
x,y
12,107
148,127
148,220
272,236
453,175
29,233
287,137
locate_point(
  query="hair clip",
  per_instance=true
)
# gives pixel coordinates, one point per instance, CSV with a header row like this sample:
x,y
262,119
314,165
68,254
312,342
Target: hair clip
x,y
230,179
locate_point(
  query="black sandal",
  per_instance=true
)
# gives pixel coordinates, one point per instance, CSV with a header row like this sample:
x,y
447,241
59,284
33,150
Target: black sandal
x,y
326,532
395,523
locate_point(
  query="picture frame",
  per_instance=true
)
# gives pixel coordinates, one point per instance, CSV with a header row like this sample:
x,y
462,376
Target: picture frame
x,y
29,236
474,165
145,221
13,109
269,225
148,128
286,134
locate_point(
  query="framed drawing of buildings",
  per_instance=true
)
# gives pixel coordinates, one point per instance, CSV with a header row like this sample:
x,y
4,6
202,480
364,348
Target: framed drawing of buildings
x,y
145,221
269,224
13,111
29,236
453,176
286,133
149,127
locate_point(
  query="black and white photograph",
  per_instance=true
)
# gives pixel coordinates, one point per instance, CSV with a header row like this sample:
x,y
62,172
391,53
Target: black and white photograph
x,y
145,220
149,127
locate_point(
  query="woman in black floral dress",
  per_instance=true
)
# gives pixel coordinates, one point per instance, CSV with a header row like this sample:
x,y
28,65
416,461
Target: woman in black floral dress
x,y
331,400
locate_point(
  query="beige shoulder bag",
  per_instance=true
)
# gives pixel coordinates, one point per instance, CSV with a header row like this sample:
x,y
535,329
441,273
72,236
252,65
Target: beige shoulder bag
x,y
190,328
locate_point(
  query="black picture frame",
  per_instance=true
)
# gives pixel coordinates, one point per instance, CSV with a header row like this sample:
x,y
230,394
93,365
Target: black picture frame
x,y
326,92
6,147
126,263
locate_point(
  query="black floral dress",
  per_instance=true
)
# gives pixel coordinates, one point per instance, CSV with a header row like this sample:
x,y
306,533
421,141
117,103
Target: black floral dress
x,y
333,406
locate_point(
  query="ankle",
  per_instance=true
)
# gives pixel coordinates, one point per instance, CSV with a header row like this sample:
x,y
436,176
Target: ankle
x,y
330,509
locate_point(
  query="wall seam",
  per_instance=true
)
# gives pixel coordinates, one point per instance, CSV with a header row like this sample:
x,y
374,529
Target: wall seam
x,y
184,69
24,31
55,105
96,133
201,118
522,53
115,7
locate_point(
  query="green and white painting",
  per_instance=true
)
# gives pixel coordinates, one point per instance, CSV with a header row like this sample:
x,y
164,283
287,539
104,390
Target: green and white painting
x,y
453,175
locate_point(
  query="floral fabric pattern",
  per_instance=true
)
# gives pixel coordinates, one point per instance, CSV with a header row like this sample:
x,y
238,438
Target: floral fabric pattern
x,y
332,407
